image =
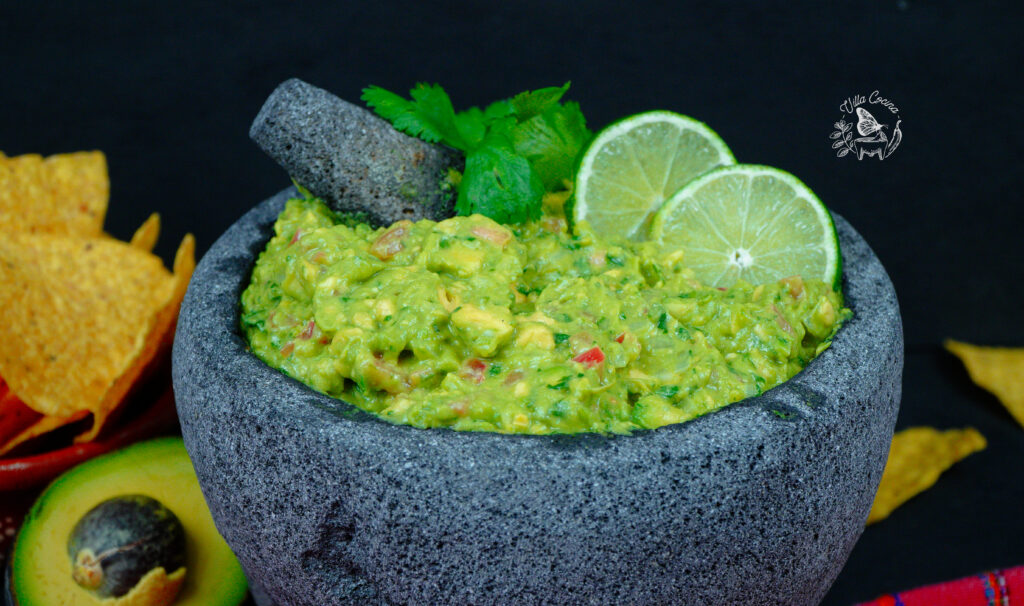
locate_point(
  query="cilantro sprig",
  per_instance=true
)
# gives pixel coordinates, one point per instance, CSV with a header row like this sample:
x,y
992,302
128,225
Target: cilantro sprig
x,y
516,149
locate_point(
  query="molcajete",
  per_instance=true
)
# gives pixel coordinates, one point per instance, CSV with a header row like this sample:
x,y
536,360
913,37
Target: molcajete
x,y
757,503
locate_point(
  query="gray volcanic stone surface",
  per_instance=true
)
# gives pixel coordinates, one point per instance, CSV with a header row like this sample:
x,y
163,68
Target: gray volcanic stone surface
x,y
352,159
757,503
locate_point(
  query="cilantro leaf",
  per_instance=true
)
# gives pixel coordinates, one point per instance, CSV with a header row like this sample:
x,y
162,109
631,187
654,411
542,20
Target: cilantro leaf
x,y
429,115
528,104
516,149
499,183
552,141
561,384
667,391
472,126
387,104
434,105
499,109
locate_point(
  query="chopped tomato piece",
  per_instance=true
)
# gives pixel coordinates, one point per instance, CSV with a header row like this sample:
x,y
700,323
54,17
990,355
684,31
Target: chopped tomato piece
x,y
496,235
795,284
513,377
592,357
288,349
461,408
476,369
781,319
553,224
295,238
308,331
620,338
390,242
382,375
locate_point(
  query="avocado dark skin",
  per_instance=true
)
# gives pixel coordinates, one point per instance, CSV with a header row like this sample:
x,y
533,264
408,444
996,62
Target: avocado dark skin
x,y
8,598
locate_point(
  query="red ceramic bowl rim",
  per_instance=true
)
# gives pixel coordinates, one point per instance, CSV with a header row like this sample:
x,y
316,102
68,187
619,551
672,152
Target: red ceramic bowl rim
x,y
28,471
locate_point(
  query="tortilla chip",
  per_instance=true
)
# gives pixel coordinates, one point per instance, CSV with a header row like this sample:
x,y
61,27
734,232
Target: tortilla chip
x,y
917,457
80,319
159,337
146,235
62,194
1000,370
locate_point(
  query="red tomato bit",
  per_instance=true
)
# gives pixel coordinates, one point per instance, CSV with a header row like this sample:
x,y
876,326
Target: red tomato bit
x,y
390,242
590,358
476,369
497,236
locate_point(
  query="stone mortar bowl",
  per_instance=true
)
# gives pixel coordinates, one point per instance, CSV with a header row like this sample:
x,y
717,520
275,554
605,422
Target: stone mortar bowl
x,y
757,503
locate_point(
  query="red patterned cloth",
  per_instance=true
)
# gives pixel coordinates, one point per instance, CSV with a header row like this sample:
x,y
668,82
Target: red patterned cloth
x,y
991,588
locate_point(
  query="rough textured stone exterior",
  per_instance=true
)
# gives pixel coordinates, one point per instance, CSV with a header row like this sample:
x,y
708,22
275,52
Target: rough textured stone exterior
x,y
351,158
757,503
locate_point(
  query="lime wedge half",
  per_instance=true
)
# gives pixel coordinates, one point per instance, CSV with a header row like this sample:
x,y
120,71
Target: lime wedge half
x,y
749,222
635,164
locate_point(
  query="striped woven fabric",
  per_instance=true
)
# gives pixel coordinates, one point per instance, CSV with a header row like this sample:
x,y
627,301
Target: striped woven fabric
x,y
992,588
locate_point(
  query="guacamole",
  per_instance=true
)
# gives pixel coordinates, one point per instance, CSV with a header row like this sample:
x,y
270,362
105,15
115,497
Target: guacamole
x,y
473,325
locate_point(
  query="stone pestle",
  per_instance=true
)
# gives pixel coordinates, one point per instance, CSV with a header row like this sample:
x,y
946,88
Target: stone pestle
x,y
352,159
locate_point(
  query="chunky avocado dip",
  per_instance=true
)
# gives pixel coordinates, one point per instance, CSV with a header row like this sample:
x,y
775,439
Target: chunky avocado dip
x,y
473,325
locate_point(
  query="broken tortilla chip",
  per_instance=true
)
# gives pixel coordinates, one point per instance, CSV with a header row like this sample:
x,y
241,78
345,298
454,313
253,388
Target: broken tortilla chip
x,y
63,194
146,235
917,456
1000,370
80,319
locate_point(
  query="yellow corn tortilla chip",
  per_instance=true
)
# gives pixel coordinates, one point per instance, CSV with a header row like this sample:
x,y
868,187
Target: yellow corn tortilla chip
x,y
159,337
62,194
146,235
80,319
1000,370
917,457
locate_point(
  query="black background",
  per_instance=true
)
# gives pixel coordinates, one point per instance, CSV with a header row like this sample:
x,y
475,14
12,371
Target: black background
x,y
168,94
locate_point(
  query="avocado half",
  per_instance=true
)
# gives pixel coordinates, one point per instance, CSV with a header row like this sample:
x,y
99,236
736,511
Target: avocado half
x,y
41,571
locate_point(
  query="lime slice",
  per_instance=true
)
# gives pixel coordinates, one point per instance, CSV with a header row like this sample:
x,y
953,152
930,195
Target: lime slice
x,y
635,164
749,222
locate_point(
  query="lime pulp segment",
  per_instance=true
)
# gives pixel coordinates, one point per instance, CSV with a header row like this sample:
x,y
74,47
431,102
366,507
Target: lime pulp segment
x,y
749,222
637,163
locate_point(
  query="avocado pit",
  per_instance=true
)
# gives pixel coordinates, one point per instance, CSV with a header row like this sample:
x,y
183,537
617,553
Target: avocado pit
x,y
121,540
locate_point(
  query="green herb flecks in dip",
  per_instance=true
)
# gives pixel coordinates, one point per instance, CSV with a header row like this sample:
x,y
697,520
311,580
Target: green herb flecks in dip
x,y
477,326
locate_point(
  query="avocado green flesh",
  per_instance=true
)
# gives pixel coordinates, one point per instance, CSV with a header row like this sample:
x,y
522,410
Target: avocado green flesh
x,y
41,571
477,326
